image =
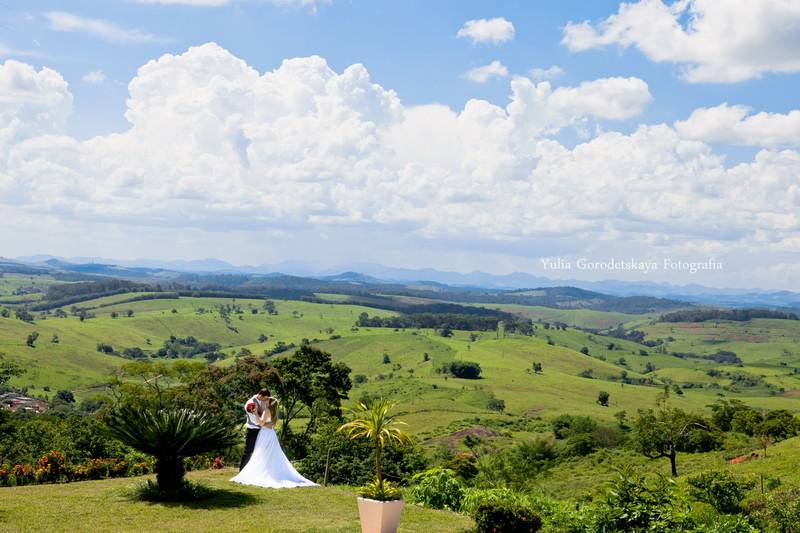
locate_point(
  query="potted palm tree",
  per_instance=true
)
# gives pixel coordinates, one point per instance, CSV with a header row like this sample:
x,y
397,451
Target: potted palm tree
x,y
379,503
170,435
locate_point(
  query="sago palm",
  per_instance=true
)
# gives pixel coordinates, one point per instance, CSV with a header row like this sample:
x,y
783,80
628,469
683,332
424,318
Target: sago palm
x,y
169,435
372,420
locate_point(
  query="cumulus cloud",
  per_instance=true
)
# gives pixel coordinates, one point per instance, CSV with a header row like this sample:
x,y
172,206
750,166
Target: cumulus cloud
x,y
495,69
735,125
304,146
544,74
493,31
102,29
713,41
95,76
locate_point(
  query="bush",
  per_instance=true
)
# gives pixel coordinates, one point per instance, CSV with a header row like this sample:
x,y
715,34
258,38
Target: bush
x,y
437,488
461,369
634,504
722,490
506,518
352,462
778,512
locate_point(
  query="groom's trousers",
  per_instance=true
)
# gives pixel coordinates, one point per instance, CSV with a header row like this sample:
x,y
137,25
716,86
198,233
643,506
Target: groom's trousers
x,y
249,444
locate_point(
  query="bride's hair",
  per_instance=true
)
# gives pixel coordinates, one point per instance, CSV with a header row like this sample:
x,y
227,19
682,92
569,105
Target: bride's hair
x,y
273,408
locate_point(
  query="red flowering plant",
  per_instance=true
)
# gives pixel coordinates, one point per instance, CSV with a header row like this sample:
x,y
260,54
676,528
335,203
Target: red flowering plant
x,y
250,407
50,467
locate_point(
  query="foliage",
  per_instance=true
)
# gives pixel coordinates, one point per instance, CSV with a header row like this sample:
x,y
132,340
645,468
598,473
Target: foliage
x,y
437,488
505,518
778,512
310,380
461,369
383,491
8,370
187,492
170,435
634,504
721,490
188,347
665,432
352,461
602,398
514,466
372,421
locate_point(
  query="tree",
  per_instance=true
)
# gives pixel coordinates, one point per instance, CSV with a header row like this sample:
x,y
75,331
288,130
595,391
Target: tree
x,y
537,368
8,370
373,421
55,339
31,340
602,398
763,442
585,350
461,369
170,435
721,490
129,312
65,396
386,359
496,404
310,380
446,331
664,432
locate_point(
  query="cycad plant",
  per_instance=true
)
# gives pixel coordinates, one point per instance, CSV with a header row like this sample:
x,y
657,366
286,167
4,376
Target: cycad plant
x,y
170,435
372,421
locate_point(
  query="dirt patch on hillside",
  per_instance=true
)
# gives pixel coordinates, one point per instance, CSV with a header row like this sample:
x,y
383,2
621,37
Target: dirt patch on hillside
x,y
792,393
452,440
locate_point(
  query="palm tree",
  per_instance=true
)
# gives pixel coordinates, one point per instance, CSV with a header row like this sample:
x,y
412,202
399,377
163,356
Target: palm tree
x,y
169,435
372,420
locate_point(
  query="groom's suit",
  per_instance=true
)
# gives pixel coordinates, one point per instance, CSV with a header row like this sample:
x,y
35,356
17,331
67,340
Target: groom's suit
x,y
252,428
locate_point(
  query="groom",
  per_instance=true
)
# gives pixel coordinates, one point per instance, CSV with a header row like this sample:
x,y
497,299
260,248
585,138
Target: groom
x,y
253,409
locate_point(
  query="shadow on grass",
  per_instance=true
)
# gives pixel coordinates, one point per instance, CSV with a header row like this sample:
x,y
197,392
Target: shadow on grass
x,y
218,499
194,496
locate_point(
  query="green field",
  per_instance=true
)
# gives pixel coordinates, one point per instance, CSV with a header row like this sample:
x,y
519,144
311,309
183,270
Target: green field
x,y
105,506
436,403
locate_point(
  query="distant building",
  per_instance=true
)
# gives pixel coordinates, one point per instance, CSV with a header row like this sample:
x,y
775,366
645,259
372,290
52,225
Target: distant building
x,y
15,402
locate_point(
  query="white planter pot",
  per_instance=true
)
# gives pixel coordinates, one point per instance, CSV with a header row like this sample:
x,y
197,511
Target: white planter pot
x,y
379,517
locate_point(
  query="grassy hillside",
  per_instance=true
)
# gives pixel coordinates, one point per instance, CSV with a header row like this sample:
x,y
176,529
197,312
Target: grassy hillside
x,y
585,476
103,506
74,362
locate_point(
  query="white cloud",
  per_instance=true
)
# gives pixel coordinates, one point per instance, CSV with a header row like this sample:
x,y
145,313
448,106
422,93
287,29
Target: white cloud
x,y
102,29
494,31
495,69
721,41
544,74
304,147
735,125
95,76
215,3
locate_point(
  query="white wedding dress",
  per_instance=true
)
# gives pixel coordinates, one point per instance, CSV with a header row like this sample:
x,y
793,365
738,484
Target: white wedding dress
x,y
269,467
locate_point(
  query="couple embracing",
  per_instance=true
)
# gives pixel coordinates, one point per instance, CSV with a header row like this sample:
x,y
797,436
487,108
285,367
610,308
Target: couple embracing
x,y
263,462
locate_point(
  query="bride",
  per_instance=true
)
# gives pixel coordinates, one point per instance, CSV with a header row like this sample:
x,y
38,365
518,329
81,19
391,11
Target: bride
x,y
268,465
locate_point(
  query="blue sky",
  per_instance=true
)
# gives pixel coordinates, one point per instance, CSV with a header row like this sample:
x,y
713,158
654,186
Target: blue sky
x,y
411,51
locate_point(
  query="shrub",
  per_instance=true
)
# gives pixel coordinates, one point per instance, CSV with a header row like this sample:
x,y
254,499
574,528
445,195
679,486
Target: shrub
x,y
383,491
722,490
506,518
437,488
461,369
633,503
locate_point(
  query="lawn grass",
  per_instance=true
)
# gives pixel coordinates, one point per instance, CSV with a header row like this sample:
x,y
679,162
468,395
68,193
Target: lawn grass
x,y
105,506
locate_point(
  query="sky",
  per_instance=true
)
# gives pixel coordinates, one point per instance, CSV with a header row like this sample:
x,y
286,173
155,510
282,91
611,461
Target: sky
x,y
539,137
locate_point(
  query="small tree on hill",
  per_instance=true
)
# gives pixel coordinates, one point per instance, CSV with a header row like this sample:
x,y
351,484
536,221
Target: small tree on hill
x,y
65,396
537,368
31,340
602,398
664,432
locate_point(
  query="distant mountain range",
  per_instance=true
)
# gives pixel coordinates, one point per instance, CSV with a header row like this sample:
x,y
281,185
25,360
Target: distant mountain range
x,y
376,274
